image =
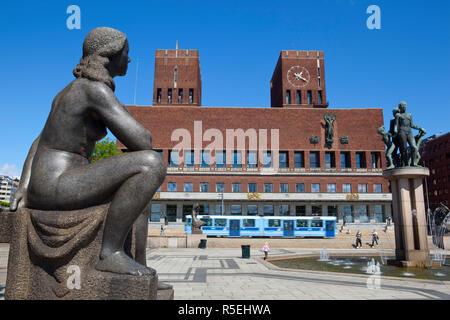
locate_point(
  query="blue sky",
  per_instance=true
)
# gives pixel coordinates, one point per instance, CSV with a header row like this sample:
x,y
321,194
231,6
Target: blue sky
x,y
239,44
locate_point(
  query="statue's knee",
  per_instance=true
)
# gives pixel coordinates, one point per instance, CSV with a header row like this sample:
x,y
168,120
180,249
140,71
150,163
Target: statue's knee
x,y
154,165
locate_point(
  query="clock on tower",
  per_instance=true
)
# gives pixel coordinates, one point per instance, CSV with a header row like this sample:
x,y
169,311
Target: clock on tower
x,y
299,80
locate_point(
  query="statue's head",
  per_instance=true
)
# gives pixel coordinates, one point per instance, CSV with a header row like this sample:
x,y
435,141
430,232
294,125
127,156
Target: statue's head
x,y
105,55
381,130
395,111
402,106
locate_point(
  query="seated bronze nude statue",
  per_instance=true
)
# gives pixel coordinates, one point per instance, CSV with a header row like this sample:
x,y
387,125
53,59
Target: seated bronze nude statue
x,y
57,174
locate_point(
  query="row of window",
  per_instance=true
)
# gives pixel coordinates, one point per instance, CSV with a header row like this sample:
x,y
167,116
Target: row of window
x,y
350,213
159,95
283,159
268,187
308,95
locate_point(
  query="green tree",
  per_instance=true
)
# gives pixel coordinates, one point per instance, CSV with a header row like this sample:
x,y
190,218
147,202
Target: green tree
x,y
104,149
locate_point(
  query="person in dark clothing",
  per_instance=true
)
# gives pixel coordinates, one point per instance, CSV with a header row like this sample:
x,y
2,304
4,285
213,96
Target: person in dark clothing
x,y
358,239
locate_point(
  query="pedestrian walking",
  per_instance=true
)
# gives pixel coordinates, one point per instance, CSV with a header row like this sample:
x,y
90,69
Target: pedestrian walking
x,y
374,238
163,230
358,239
266,250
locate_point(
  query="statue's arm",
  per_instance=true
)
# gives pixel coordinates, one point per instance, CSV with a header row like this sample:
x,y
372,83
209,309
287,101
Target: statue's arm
x,y
20,197
118,119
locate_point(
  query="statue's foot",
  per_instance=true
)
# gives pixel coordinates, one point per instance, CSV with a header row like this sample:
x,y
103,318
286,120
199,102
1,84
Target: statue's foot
x,y
119,262
390,167
164,286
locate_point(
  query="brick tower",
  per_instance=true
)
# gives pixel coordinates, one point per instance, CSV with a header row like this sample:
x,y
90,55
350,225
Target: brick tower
x,y
177,79
299,80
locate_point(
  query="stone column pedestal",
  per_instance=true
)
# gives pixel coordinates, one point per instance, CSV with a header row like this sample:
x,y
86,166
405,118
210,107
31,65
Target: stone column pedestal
x,y
411,246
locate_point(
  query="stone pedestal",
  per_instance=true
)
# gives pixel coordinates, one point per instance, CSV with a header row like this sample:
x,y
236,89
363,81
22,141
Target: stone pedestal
x,y
193,240
6,221
411,246
53,256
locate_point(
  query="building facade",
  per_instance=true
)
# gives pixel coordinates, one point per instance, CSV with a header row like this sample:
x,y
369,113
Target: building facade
x,y
8,187
284,160
435,154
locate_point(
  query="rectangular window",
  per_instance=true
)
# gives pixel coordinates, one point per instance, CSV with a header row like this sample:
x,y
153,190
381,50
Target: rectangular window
x,y
237,159
155,213
345,160
159,95
171,213
204,187
207,221
284,187
252,188
220,187
300,210
284,210
169,95
299,159
218,209
360,160
236,209
346,188
248,223
288,96
316,210
362,188
206,159
316,223
173,158
362,211
191,95
180,95
378,188
267,159
330,160
220,222
274,223
302,223
300,187
299,97
188,158
252,210
283,157
315,187
172,187
188,187
331,187
309,97
378,213
187,210
319,96
348,214
252,159
332,210
268,187
314,159
375,158
220,159
268,210
204,209
236,187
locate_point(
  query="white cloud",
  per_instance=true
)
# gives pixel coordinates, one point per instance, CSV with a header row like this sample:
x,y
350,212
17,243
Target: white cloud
x,y
10,170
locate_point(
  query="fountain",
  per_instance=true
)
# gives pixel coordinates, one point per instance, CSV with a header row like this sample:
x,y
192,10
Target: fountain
x,y
324,255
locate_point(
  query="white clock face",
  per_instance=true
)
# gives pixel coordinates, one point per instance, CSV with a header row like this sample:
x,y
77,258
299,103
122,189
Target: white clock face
x,y
298,76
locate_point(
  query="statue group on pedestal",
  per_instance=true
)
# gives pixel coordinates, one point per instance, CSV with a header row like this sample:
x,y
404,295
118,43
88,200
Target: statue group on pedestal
x,y
398,138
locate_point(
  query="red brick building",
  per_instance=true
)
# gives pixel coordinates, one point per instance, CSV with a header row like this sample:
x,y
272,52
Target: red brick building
x,y
435,154
266,161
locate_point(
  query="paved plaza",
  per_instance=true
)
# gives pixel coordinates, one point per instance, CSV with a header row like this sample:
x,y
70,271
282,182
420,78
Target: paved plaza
x,y
221,273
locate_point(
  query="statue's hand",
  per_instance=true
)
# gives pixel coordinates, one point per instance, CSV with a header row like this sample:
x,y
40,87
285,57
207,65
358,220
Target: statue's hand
x,y
19,200
423,130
